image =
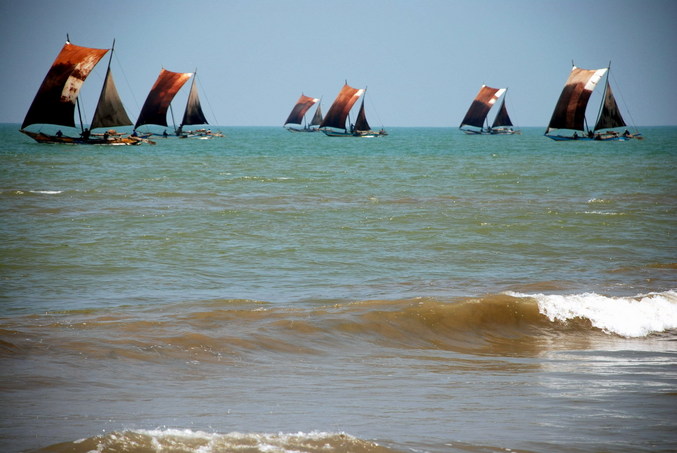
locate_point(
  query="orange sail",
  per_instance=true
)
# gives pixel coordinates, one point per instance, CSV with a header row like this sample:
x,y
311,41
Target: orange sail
x,y
338,112
302,106
154,110
55,101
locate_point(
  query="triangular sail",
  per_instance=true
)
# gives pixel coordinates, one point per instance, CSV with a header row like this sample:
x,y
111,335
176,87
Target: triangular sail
x,y
317,117
302,105
479,109
361,123
610,116
54,102
109,111
502,118
193,113
570,109
338,112
154,110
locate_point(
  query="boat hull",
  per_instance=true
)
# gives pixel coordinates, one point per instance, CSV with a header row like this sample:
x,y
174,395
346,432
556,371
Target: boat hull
x,y
491,132
505,132
359,134
597,138
63,140
294,129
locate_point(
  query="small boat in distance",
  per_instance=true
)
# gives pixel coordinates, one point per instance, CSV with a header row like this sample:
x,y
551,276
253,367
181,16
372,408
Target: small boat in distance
x,y
57,97
475,121
297,115
334,123
570,109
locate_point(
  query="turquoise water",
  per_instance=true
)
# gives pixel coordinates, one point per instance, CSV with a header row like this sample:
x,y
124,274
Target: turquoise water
x,y
425,291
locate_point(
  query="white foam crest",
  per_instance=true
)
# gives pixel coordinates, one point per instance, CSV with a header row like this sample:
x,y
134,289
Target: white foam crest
x,y
47,192
204,442
630,317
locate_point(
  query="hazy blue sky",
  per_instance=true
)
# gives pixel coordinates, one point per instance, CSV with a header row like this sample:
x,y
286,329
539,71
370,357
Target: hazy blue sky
x,y
422,61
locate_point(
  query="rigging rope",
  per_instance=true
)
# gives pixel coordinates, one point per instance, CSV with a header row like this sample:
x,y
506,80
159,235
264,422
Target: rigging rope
x,y
632,120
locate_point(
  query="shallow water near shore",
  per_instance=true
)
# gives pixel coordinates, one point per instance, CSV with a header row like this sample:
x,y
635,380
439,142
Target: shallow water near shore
x,y
267,291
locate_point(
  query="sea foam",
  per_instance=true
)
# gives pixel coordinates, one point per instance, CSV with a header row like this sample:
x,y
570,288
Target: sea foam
x,y
630,317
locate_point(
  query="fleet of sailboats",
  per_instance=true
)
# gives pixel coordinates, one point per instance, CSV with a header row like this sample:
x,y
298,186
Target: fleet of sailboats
x,y
571,107
56,101
475,121
57,98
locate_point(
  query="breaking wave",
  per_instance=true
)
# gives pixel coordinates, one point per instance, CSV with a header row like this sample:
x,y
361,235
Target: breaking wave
x,y
630,317
214,330
180,440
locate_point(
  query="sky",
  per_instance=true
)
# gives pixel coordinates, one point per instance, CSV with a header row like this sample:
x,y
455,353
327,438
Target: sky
x,y
422,62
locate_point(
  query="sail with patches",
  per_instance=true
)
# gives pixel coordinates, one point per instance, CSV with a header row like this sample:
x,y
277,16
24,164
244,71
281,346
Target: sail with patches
x,y
55,101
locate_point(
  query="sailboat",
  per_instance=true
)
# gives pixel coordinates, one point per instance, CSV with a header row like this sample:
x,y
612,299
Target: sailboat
x,y
334,123
158,102
154,110
57,97
297,115
502,124
570,109
475,121
193,115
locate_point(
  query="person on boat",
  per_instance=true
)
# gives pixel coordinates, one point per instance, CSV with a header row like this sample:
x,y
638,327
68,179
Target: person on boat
x,y
105,136
575,135
134,134
164,133
85,134
59,133
627,133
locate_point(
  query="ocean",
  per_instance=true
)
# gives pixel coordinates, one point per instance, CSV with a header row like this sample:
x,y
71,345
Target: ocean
x,y
270,291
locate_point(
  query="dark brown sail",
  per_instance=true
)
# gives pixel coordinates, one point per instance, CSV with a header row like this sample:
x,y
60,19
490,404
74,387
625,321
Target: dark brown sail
x,y
302,105
55,101
570,109
317,117
502,118
154,110
338,112
361,123
109,111
610,116
193,113
479,109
